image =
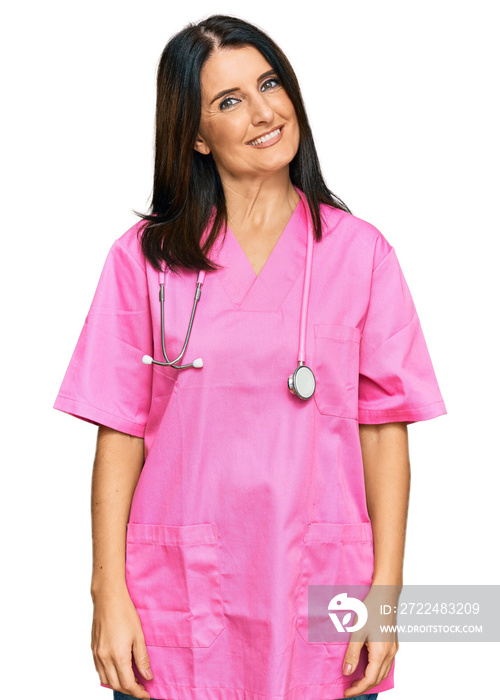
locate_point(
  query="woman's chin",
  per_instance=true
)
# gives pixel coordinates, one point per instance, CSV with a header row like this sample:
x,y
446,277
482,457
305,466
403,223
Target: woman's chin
x,y
273,162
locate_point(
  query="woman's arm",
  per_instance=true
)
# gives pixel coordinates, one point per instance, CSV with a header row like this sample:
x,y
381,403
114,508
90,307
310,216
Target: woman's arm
x,y
118,463
387,481
386,465
116,629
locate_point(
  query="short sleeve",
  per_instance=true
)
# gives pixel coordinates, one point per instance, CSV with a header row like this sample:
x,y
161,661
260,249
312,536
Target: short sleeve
x,y
106,382
397,381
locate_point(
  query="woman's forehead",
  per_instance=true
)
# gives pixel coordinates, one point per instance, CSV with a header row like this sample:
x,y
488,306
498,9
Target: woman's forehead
x,y
225,66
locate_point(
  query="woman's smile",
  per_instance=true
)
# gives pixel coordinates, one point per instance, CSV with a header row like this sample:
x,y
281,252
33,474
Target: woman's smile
x,y
269,138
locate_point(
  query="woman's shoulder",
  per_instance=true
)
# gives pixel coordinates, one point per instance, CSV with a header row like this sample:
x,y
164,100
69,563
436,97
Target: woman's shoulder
x,y
355,232
130,242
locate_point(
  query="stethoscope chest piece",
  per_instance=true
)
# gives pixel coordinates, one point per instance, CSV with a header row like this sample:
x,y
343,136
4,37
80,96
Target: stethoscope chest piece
x,y
302,382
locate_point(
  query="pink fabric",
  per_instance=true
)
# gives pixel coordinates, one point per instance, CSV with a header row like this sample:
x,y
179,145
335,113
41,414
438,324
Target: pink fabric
x,y
249,494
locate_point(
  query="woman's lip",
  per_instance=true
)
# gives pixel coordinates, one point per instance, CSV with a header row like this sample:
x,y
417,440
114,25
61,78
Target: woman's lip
x,y
270,142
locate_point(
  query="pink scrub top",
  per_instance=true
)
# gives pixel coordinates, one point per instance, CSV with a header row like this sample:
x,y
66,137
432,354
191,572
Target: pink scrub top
x,y
248,494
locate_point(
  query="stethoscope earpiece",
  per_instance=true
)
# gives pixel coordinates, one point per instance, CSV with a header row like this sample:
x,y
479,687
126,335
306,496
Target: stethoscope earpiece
x,y
148,360
302,382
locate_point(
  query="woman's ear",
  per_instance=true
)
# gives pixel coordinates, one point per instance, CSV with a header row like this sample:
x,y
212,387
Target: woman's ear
x,y
201,145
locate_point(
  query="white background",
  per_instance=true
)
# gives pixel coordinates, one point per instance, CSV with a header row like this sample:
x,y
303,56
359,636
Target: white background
x,y
403,102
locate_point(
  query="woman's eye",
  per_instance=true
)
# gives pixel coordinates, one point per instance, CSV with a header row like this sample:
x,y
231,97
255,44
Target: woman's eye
x,y
230,101
271,80
226,101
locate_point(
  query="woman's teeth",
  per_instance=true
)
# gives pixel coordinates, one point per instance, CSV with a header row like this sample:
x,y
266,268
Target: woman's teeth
x,y
265,138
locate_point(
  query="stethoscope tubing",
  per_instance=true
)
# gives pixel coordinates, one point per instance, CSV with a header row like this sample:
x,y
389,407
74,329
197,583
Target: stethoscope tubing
x,y
172,363
147,359
199,283
305,296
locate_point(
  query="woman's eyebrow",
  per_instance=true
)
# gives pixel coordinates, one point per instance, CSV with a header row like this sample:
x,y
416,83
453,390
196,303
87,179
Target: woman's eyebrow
x,y
226,92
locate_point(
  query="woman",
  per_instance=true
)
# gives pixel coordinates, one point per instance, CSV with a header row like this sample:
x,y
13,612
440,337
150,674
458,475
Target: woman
x,y
224,490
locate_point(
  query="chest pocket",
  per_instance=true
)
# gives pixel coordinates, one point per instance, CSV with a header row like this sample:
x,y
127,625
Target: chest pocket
x,y
337,369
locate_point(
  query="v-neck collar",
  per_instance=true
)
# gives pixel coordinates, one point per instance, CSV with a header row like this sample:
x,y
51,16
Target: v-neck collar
x,y
267,290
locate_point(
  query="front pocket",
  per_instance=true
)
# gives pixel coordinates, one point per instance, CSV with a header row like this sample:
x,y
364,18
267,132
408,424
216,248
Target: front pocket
x,y
333,554
173,578
337,369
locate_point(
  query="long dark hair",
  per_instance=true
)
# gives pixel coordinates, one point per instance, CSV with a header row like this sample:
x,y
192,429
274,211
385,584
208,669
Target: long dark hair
x,y
187,187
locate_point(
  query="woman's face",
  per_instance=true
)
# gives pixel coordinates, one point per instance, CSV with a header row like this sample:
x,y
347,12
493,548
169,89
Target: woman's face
x,y
242,100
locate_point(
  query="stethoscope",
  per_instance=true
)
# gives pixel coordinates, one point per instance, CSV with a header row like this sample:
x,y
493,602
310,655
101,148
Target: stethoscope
x,y
302,382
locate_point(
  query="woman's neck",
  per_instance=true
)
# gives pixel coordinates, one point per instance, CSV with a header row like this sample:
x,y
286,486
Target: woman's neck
x,y
260,205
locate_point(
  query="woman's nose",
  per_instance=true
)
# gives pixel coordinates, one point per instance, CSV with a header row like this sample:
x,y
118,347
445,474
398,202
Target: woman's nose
x,y
260,109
